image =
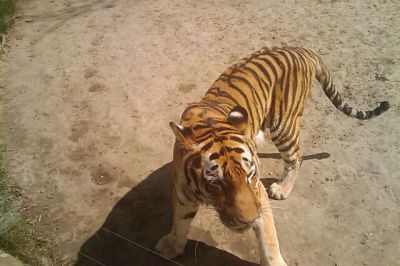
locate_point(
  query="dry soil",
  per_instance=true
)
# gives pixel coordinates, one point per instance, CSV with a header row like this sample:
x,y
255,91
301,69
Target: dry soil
x,y
88,89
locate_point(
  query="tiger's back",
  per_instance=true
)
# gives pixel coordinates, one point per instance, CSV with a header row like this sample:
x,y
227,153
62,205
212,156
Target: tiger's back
x,y
272,86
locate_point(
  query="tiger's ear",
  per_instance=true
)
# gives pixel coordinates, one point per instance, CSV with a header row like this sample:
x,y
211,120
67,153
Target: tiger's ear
x,y
183,135
238,117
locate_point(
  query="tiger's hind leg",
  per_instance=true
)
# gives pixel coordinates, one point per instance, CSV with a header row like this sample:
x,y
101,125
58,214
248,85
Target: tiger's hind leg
x,y
287,143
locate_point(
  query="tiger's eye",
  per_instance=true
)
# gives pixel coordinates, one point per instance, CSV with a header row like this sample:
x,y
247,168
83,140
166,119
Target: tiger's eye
x,y
197,162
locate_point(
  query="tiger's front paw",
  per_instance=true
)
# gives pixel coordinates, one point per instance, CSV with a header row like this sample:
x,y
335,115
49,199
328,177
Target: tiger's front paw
x,y
170,246
279,191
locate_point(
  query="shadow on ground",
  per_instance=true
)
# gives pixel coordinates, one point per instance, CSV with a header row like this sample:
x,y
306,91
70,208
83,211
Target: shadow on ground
x,y
316,156
143,216
268,181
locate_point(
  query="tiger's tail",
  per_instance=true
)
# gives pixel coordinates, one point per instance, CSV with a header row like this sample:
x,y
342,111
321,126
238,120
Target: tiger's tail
x,y
325,79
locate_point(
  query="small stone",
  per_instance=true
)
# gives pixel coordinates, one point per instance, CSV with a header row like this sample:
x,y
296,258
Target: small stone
x,y
6,259
97,87
7,221
101,177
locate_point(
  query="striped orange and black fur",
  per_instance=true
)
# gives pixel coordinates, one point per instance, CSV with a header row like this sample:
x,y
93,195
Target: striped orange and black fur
x,y
215,159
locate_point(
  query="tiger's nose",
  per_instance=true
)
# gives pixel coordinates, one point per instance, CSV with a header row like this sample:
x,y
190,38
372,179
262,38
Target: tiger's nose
x,y
235,218
231,221
248,217
227,218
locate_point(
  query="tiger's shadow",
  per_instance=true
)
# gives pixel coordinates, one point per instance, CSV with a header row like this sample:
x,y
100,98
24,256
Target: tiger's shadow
x,y
142,217
268,181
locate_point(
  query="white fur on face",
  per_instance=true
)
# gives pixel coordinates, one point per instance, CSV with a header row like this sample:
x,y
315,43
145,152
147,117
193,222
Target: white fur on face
x,y
247,153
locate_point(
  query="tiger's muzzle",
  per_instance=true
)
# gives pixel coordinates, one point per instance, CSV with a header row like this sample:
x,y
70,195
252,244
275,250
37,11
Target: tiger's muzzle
x,y
235,223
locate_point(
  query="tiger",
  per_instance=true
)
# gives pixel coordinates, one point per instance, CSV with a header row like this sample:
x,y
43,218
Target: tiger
x,y
215,160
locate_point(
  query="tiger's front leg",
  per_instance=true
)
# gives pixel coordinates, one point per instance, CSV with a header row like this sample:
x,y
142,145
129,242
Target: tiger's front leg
x,y
287,143
267,239
173,244
281,190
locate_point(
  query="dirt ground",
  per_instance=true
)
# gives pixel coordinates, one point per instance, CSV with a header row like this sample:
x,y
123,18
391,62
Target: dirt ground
x,y
89,87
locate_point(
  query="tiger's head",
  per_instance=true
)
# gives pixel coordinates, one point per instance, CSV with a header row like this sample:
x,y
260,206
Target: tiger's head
x,y
221,166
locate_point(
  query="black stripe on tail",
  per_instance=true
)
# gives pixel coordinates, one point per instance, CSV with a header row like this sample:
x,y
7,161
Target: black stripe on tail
x,y
324,77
